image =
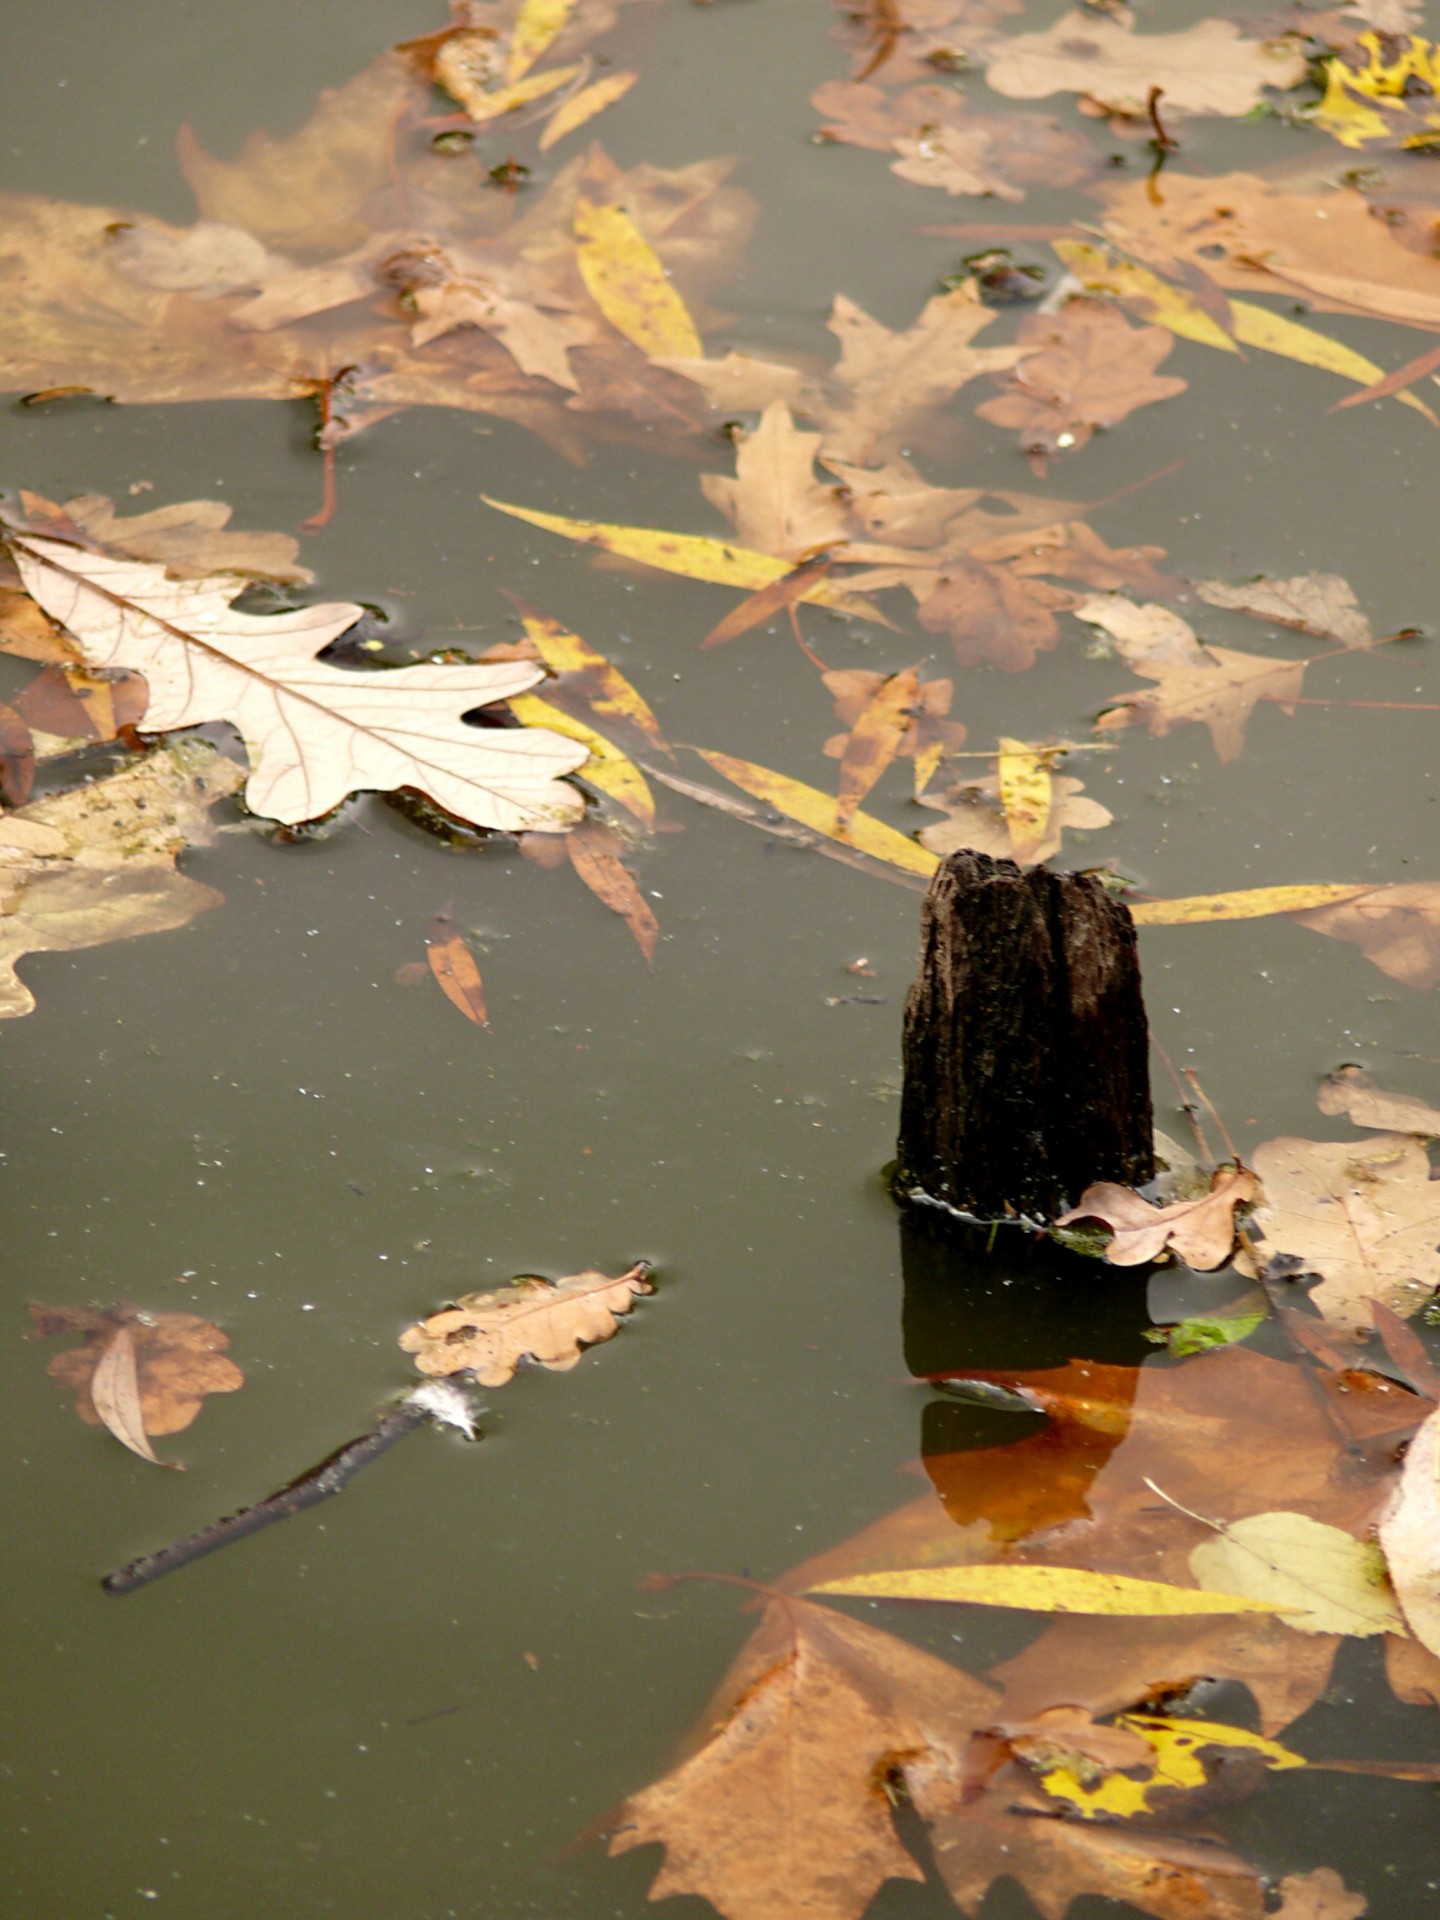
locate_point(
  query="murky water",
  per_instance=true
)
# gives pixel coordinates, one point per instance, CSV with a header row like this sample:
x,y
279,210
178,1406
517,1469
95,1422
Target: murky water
x,y
409,1705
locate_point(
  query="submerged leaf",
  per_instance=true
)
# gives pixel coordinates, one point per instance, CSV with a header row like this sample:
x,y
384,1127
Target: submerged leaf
x,y
1044,1590
115,1392
821,812
454,967
594,851
629,284
1318,1578
155,1380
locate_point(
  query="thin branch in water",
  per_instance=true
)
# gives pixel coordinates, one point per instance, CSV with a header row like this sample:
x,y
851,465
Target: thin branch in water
x,y
1163,142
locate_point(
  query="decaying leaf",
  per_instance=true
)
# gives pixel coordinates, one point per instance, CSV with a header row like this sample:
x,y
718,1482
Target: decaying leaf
x,y
1221,693
1083,367
821,812
1319,1895
1398,928
1207,68
315,733
1410,1535
1200,1232
1352,1091
1382,94
584,106
1363,1215
549,1322
454,967
96,863
138,1373
627,281
1318,1578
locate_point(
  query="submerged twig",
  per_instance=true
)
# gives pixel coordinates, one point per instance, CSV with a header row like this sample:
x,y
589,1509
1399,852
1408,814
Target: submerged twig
x,y
434,1400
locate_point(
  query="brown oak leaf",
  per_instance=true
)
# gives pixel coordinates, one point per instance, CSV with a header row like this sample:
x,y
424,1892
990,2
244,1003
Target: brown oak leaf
x,y
1083,367
489,1334
179,1359
1201,1232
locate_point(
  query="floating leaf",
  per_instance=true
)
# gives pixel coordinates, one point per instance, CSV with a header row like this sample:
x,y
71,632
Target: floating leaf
x,y
591,677
821,812
1207,68
1201,1232
154,1379
1384,97
536,26
1352,1091
1250,903
607,768
775,503
1176,1766
315,733
489,1334
1027,793
1318,603
1410,1535
1316,1577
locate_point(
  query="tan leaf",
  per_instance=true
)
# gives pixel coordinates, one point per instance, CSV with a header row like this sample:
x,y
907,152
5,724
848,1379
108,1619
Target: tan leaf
x,y
584,106
1410,1535
994,614
1352,1091
315,733
976,818
1398,928
1318,603
1364,1215
888,379
25,632
740,383
1151,634
1221,694
1201,1232
115,1393
780,1810
1318,1895
190,538
96,863
454,967
595,855
1208,68
156,1380
489,1334
775,503
17,758
1083,367
1252,236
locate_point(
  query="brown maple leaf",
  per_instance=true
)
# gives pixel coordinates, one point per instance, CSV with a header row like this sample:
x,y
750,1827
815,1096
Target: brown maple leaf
x,y
1083,367
489,1334
179,1359
775,503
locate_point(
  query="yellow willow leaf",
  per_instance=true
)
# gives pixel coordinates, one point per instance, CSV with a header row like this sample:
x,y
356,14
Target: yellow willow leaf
x,y
539,23
1155,299
1026,790
1252,903
489,106
590,100
820,811
927,761
1259,327
1176,1767
720,562
565,652
607,768
627,281
1042,1590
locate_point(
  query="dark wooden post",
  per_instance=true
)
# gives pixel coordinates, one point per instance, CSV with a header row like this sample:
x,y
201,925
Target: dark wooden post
x,y
1026,1046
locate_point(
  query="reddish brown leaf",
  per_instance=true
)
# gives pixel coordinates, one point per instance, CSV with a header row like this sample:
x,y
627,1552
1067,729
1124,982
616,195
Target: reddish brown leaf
x,y
1084,367
766,602
594,854
77,705
17,758
454,967
30,634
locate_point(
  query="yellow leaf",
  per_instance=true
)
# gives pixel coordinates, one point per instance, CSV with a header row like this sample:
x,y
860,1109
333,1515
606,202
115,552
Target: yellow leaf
x,y
1318,1578
565,652
607,768
1176,1745
1401,73
1259,327
693,554
1043,1590
1026,790
1153,298
626,280
820,811
584,106
927,761
1252,903
539,23
489,106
